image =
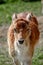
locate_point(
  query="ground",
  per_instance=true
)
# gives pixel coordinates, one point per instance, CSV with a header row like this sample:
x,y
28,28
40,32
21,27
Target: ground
x,y
38,54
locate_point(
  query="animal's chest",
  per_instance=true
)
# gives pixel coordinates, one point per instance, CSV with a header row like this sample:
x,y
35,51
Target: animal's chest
x,y
22,54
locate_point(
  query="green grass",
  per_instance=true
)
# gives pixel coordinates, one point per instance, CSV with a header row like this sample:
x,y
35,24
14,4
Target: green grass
x,y
38,57
4,57
6,10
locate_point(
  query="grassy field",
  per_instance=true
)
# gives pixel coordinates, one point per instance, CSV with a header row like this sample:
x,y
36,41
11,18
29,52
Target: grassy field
x,y
6,11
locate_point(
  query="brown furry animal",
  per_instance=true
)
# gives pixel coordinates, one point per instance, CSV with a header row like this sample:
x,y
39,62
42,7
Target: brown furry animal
x,y
23,34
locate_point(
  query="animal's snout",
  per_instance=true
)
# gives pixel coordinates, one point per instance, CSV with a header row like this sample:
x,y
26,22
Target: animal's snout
x,y
21,41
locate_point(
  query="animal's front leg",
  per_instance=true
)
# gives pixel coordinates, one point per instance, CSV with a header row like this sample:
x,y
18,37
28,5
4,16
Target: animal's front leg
x,y
16,62
27,63
21,63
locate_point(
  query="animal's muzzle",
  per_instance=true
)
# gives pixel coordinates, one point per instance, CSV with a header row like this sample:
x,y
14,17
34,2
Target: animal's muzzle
x,y
21,41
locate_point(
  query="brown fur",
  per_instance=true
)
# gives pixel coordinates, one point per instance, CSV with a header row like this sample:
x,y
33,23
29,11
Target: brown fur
x,y
21,22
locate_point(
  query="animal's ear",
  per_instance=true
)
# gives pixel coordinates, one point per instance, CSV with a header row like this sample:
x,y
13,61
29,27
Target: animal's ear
x,y
29,16
32,18
14,17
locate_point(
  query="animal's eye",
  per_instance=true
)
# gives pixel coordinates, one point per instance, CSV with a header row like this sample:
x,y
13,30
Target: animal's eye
x,y
16,31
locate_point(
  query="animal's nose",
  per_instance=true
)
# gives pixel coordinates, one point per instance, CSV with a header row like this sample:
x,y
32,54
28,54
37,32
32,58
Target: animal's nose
x,y
21,41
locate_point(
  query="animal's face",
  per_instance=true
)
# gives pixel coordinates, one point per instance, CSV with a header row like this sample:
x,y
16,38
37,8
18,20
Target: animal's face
x,y
22,32
25,29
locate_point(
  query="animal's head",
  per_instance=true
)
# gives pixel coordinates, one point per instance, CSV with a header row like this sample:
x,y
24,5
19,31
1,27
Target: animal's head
x,y
25,29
